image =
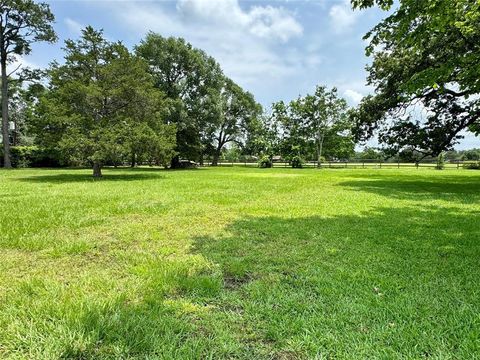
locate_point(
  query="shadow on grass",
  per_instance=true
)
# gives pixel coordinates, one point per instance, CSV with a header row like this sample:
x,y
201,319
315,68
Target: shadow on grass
x,y
447,187
390,283
125,175
354,286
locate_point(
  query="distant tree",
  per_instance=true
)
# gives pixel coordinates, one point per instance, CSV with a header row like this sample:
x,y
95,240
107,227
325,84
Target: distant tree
x,y
190,77
295,137
471,154
425,56
370,153
101,104
262,137
236,111
232,153
22,22
324,114
309,123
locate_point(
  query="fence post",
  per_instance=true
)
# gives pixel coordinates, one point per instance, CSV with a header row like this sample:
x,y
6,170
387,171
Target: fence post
x,y
363,164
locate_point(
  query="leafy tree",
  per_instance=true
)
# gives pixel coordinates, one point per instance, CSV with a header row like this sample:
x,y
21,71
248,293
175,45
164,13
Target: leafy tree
x,y
22,98
370,153
425,56
323,114
101,104
313,121
190,77
22,22
471,154
294,136
236,111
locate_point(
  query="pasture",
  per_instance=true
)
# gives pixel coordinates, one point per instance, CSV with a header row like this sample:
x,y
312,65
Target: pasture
x,y
240,263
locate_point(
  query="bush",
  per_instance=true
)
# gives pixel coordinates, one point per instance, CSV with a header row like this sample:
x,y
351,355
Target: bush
x,y
32,156
297,162
265,162
473,165
440,162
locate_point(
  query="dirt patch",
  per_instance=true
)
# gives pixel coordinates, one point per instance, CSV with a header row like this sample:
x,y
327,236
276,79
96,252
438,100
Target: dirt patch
x,y
233,282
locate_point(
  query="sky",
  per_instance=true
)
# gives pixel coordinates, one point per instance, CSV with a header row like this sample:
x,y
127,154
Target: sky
x,y
277,50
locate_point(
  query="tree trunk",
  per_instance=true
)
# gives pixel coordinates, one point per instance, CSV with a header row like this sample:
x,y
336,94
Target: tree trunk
x,y
97,170
175,163
133,160
5,125
319,150
216,155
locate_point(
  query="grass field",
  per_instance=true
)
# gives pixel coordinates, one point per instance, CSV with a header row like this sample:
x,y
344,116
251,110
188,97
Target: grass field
x,y
240,263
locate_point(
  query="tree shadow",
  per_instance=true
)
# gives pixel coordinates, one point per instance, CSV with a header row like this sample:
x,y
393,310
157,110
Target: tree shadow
x,y
390,282
445,187
108,176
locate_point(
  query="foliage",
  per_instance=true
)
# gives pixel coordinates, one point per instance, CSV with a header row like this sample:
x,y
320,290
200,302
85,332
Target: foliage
x,y
297,162
313,125
193,80
22,23
236,111
101,106
440,161
471,154
425,58
265,162
33,156
472,165
232,153
370,153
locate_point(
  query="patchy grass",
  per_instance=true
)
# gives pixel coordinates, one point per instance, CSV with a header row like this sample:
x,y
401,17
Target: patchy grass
x,y
239,263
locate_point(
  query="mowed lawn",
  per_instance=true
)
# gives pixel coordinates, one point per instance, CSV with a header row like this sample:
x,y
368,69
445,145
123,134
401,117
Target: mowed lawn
x,y
236,263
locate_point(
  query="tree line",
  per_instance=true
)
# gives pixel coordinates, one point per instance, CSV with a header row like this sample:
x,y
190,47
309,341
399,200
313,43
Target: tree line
x,y
165,102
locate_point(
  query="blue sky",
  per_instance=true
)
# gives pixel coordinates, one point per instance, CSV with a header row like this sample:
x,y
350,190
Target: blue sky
x,y
275,49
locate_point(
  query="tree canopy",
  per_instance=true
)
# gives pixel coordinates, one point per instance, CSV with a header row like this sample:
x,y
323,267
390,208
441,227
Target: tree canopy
x,y
425,57
102,104
190,77
313,126
22,22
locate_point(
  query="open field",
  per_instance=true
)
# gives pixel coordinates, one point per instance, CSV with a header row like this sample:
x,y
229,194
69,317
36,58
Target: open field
x,y
240,263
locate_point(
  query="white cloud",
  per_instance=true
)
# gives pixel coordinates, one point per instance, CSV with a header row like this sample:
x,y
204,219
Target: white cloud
x,y
342,17
271,22
73,26
244,41
262,21
353,95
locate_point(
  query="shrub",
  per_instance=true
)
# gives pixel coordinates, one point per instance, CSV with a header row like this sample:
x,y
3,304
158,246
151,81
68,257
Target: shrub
x,y
440,161
265,162
472,165
33,156
297,162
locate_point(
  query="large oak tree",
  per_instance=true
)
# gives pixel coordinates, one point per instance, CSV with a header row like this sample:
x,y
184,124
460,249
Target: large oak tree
x,y
191,78
426,56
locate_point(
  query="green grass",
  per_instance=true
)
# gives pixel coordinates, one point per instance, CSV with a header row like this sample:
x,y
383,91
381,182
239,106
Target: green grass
x,y
240,263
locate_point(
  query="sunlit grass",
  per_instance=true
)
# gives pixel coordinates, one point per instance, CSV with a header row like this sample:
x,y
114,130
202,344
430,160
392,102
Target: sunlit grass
x,y
240,263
